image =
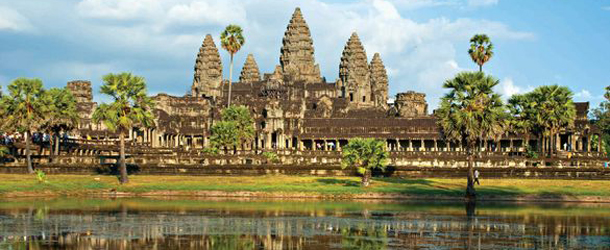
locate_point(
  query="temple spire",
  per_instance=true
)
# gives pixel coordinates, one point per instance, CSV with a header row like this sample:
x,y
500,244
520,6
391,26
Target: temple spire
x,y
354,67
379,81
250,72
208,70
297,52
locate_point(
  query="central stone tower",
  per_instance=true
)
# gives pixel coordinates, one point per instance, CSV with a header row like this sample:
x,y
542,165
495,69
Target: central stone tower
x,y
297,53
208,70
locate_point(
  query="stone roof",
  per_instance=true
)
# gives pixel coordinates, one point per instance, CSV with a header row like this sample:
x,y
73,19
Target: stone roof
x,y
208,67
354,66
250,72
297,52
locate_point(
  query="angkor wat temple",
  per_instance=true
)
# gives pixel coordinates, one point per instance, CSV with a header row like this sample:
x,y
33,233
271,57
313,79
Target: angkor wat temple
x,y
295,108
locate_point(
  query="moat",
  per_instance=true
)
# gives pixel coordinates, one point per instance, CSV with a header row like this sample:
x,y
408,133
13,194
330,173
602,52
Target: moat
x,y
72,223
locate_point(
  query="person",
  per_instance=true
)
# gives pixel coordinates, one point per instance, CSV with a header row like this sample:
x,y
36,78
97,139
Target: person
x,y
476,176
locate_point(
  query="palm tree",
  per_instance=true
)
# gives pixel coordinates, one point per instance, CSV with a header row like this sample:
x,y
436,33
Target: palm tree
x,y
23,110
471,112
481,49
365,155
131,107
61,115
522,120
232,40
243,121
555,110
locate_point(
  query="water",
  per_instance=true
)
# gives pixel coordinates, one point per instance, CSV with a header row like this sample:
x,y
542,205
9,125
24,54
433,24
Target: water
x,y
70,223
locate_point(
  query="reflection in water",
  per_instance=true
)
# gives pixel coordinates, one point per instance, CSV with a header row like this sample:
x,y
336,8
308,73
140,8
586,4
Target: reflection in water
x,y
230,224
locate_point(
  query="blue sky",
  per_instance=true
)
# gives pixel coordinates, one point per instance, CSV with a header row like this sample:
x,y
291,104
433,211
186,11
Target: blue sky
x,y
422,42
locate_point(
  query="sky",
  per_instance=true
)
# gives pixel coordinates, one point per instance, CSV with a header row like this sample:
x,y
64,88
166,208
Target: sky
x,y
422,42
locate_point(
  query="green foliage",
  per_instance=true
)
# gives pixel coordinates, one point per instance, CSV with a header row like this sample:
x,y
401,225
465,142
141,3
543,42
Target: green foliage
x,y
481,49
363,238
232,39
22,109
365,154
471,111
131,106
4,151
236,127
601,119
224,135
210,150
271,157
61,110
530,153
40,176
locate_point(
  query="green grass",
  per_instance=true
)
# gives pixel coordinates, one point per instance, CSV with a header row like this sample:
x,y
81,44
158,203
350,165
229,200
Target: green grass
x,y
13,185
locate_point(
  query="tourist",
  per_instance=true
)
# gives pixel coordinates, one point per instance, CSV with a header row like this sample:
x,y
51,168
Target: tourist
x,y
476,177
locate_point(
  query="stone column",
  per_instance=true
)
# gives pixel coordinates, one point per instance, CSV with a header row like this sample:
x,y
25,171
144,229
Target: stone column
x,y
422,147
435,145
589,143
410,145
398,147
558,143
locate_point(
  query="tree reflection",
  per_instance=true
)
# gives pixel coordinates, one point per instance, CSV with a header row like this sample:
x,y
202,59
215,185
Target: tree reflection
x,y
364,238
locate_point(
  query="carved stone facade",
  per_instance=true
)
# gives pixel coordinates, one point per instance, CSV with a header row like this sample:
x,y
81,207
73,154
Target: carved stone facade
x,y
250,72
294,108
208,70
411,104
297,52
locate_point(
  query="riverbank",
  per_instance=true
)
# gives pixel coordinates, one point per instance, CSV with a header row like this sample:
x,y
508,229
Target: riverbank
x,y
281,186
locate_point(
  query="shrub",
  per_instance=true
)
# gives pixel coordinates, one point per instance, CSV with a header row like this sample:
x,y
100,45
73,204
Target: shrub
x,y
271,157
41,176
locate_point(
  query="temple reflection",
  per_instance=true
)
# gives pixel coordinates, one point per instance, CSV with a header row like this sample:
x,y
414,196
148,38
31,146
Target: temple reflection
x,y
212,225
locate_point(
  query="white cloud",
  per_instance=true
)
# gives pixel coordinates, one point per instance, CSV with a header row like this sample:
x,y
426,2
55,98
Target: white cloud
x,y
583,94
11,19
161,38
479,3
119,9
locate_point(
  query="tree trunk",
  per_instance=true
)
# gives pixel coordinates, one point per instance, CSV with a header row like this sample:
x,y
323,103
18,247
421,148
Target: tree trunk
x,y
123,167
57,144
480,67
28,153
366,178
471,193
230,80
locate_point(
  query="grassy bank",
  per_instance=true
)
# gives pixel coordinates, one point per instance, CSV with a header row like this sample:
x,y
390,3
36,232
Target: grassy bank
x,y
301,186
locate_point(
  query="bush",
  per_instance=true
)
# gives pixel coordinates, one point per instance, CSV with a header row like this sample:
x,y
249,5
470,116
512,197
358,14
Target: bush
x,y
211,150
271,157
530,153
41,176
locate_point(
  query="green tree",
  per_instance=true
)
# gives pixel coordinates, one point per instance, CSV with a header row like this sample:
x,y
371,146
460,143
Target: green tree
x,y
481,49
601,119
243,122
471,112
365,155
231,40
4,152
224,135
130,107
523,116
555,110
235,128
61,115
23,110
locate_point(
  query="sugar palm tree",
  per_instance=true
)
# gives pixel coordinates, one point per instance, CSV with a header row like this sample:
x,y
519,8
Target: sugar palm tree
x,y
471,112
130,107
231,40
61,115
23,110
523,112
481,49
365,155
555,110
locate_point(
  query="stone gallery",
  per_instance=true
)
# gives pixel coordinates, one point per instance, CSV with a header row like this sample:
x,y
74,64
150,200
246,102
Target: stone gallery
x,y
295,108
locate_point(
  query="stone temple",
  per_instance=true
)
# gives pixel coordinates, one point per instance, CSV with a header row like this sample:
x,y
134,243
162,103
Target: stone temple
x,y
295,108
